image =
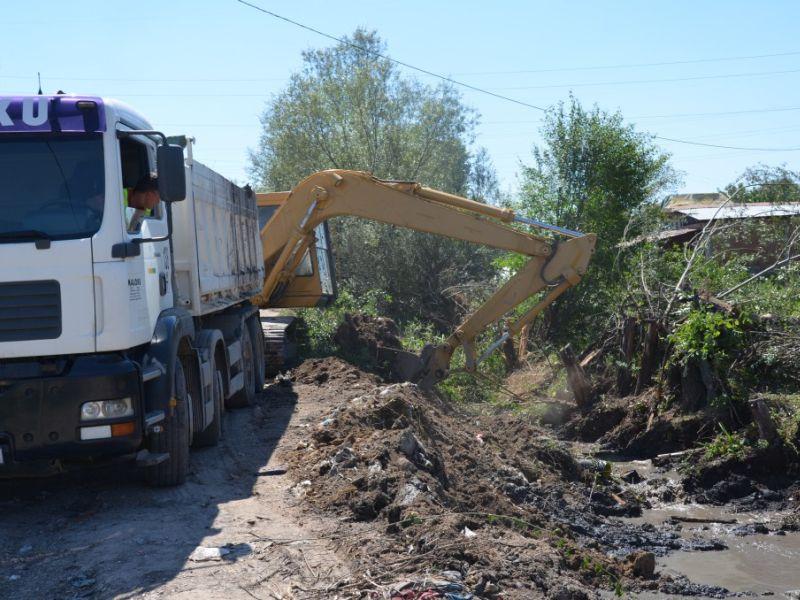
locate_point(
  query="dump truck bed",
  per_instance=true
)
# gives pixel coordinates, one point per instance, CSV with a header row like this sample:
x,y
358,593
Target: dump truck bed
x,y
218,260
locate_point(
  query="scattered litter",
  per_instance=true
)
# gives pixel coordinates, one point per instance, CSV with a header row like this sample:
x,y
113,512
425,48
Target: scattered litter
x,y
468,533
299,490
204,553
13,577
272,472
26,549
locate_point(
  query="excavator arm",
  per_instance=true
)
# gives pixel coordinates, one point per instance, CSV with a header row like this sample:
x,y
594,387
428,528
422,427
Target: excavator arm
x,y
553,266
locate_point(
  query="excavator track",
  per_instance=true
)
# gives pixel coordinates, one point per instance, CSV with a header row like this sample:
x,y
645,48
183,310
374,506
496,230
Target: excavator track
x,y
280,345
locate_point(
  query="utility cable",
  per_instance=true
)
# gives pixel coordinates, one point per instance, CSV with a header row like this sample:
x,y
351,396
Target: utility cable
x,y
472,87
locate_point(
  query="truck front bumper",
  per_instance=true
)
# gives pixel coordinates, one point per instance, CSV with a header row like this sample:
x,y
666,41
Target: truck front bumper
x,y
40,416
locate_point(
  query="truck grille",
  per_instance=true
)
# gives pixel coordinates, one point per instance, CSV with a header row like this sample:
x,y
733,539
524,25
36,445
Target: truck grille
x,y
30,310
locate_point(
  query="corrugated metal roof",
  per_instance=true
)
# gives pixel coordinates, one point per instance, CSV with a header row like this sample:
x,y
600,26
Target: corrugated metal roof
x,y
740,211
678,201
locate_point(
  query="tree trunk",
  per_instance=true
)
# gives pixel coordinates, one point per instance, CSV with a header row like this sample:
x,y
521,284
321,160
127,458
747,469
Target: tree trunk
x,y
510,354
523,342
627,348
649,353
576,378
763,419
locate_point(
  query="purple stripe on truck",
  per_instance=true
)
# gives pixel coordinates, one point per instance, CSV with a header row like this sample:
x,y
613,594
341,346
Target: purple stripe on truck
x,y
51,113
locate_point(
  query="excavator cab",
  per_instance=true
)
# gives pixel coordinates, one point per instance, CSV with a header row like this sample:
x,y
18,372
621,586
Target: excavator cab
x,y
314,283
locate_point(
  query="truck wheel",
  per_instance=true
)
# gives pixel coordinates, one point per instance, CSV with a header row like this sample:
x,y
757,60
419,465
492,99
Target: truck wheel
x,y
246,395
259,352
174,437
211,435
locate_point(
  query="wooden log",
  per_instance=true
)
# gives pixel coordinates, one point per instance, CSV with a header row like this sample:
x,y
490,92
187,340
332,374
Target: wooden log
x,y
767,430
576,378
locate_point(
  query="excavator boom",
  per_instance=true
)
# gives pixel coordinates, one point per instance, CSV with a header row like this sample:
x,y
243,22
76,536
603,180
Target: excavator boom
x,y
553,266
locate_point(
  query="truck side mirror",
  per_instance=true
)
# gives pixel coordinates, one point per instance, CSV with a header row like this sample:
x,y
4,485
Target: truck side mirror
x,y
171,175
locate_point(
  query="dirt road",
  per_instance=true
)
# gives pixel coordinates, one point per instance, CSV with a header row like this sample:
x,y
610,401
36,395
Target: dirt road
x,y
105,534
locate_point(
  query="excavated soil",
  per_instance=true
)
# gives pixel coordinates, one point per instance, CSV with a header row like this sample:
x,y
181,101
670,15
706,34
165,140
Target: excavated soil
x,y
372,340
487,505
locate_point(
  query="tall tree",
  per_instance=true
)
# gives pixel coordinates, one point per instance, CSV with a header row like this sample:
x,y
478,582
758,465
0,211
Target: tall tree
x,y
762,183
592,172
350,108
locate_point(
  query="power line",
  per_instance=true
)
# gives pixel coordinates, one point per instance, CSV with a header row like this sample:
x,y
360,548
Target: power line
x,y
640,81
661,137
475,88
394,60
634,65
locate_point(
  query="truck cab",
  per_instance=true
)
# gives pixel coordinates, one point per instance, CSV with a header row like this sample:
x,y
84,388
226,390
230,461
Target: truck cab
x,y
97,345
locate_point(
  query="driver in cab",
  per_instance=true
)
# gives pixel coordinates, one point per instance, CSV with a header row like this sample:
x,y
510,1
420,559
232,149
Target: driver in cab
x,y
142,201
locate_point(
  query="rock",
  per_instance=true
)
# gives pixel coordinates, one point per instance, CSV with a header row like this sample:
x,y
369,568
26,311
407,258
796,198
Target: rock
x,y
794,594
632,477
205,553
491,589
345,458
643,564
567,592
750,529
409,444
407,495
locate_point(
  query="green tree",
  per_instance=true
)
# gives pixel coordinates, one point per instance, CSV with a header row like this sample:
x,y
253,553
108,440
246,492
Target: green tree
x,y
763,183
594,173
350,108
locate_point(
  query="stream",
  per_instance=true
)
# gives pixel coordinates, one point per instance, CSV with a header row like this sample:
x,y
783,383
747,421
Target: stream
x,y
755,564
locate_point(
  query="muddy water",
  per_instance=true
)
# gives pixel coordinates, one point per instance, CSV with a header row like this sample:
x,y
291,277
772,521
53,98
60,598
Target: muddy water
x,y
757,563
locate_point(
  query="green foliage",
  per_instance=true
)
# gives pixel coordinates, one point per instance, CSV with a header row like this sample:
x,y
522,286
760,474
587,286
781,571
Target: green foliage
x,y
321,324
727,444
708,335
349,108
594,173
762,183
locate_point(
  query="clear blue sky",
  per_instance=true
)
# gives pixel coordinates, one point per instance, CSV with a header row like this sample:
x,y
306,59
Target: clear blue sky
x,y
207,67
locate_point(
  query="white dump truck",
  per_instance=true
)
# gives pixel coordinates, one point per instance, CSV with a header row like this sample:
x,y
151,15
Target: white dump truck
x,y
118,343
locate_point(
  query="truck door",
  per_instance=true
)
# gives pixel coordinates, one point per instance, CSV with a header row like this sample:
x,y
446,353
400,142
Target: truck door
x,y
150,285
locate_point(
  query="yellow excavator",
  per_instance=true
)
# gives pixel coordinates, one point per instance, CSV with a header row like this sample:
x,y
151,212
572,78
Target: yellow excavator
x,y
299,264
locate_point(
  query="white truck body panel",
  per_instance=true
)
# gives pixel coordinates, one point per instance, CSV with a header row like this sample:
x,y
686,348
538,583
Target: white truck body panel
x,y
218,258
69,262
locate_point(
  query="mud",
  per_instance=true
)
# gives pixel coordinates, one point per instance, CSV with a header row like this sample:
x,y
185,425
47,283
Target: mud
x,y
489,497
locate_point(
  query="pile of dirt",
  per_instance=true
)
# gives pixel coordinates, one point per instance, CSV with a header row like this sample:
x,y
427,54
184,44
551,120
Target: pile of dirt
x,y
370,340
491,502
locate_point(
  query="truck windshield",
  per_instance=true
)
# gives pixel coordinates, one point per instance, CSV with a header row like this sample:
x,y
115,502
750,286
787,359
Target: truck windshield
x,y
50,186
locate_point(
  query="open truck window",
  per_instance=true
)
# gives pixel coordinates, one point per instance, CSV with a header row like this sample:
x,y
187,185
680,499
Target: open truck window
x,y
136,161
53,186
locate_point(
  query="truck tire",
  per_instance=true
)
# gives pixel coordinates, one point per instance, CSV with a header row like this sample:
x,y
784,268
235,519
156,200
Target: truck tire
x,y
212,434
246,395
257,337
174,437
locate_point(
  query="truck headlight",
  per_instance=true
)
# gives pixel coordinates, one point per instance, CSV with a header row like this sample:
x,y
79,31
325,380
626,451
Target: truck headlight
x,y
106,409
